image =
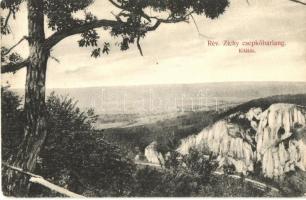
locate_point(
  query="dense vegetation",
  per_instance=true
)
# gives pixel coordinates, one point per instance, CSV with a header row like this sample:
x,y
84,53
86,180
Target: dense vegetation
x,y
12,122
138,137
77,158
73,156
191,175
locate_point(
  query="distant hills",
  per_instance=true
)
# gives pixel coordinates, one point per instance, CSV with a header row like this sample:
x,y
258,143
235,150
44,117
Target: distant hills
x,y
264,103
176,97
190,123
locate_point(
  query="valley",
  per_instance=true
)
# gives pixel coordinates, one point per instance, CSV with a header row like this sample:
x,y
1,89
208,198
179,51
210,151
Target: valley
x,y
151,123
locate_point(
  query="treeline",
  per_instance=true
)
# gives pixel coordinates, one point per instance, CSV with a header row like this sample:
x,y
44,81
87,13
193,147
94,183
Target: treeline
x,y
164,132
264,103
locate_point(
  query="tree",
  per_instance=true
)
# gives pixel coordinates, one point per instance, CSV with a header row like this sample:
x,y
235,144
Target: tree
x,y
73,155
76,157
130,24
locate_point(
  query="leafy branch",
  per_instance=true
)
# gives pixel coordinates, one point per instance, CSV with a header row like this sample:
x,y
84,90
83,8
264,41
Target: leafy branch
x,y
14,66
15,45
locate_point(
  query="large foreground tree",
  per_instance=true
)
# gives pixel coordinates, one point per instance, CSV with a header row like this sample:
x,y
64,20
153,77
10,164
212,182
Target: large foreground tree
x,y
129,24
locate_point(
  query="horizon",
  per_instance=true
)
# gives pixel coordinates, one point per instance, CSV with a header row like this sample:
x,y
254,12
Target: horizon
x,y
163,97
166,84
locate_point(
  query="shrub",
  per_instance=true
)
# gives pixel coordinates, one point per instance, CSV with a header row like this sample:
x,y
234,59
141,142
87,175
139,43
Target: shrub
x,y
182,176
12,122
73,156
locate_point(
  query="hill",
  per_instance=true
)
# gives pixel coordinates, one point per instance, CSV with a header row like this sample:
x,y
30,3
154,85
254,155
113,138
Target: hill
x,y
184,125
264,103
148,99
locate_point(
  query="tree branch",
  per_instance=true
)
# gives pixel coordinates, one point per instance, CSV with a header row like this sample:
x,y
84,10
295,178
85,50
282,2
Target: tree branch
x,y
124,8
40,180
138,46
20,170
10,49
81,28
7,19
54,187
196,25
60,35
155,26
116,5
13,67
300,2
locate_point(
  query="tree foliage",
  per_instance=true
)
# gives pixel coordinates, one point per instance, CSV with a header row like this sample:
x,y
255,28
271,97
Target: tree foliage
x,y
190,175
12,122
73,156
129,25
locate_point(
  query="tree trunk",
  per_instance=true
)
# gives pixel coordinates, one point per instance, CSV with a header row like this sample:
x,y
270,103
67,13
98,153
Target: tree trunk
x,y
35,130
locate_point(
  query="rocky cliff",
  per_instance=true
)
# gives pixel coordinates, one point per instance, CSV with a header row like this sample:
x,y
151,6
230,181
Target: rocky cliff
x,y
274,138
281,139
152,155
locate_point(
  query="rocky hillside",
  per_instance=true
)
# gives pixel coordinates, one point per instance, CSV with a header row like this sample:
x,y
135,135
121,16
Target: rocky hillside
x,y
273,138
281,139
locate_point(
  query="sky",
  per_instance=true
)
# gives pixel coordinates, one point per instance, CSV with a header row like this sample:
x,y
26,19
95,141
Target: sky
x,y
177,53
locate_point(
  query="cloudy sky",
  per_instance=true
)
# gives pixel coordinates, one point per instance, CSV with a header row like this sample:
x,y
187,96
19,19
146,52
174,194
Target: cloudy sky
x,y
178,54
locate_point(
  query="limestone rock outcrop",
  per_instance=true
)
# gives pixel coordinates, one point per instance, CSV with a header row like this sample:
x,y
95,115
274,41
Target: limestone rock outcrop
x,y
276,138
281,139
226,141
152,155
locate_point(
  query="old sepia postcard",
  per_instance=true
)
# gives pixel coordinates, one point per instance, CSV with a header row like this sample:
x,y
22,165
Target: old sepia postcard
x,y
153,98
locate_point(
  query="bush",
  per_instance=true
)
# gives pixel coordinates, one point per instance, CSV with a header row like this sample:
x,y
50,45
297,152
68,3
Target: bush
x,y
183,176
73,156
191,175
90,165
12,122
152,182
